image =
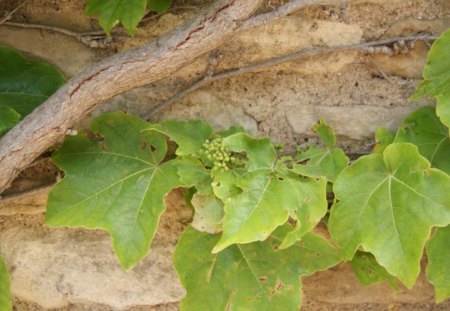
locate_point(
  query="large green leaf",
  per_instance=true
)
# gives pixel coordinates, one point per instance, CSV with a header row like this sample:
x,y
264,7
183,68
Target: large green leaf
x,y
423,129
247,277
24,85
5,294
8,118
308,208
368,270
192,173
110,12
436,76
116,182
438,269
266,202
388,204
189,135
159,6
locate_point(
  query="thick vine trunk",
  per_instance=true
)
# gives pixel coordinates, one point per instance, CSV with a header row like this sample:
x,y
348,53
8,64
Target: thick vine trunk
x,y
149,63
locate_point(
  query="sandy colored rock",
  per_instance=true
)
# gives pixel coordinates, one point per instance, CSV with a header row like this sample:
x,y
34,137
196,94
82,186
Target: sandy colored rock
x,y
61,267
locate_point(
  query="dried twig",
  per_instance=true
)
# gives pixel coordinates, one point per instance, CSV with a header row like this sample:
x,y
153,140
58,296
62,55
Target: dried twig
x,y
363,47
284,10
10,14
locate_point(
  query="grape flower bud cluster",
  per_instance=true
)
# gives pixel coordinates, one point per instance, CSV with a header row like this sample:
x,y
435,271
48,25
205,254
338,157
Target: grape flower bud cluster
x,y
218,154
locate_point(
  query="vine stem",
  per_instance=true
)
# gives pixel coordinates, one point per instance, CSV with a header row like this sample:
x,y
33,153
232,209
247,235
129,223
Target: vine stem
x,y
207,79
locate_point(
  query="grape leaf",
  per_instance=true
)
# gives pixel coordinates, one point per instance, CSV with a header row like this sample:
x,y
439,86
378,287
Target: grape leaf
x,y
24,85
368,271
189,135
208,213
383,138
192,173
310,204
5,294
325,133
159,6
8,118
438,269
224,184
436,76
247,277
321,162
260,152
423,129
266,201
115,182
110,12
388,204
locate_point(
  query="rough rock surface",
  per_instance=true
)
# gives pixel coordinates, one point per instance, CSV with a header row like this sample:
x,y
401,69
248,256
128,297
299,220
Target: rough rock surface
x,y
60,267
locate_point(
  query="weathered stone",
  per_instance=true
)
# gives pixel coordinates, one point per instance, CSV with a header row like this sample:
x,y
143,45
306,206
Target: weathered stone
x,y
356,122
60,267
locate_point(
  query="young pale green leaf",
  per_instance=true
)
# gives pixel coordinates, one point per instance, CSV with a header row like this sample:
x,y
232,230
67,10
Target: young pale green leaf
x,y
208,213
436,76
110,12
5,294
159,6
321,162
192,173
438,269
224,184
325,133
266,201
309,207
388,204
231,131
189,135
423,129
383,138
116,183
368,271
260,152
8,118
24,85
247,277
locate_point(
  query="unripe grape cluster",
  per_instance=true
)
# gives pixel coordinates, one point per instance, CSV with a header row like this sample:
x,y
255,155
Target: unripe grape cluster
x,y
218,154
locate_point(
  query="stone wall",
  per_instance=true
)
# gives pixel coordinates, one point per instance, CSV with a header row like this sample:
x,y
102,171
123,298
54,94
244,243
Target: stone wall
x,y
356,92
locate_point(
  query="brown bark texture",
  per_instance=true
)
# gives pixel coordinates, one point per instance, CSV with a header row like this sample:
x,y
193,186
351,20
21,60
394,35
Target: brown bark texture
x,y
122,72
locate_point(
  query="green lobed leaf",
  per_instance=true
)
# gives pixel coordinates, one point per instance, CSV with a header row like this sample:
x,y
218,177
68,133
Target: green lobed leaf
x,y
8,118
266,201
192,173
436,76
115,182
368,271
423,129
111,12
388,204
309,207
208,213
24,85
159,6
224,184
5,293
189,135
247,277
260,152
321,162
383,138
438,269
325,133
